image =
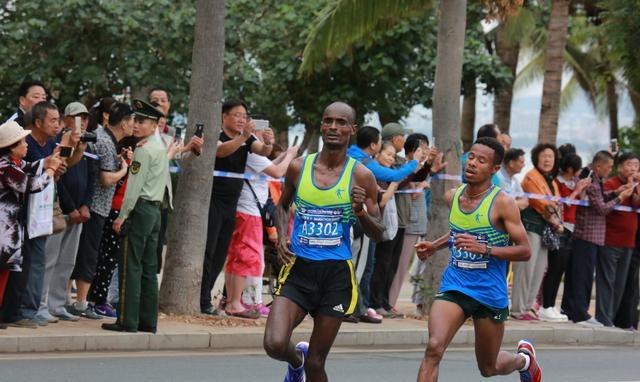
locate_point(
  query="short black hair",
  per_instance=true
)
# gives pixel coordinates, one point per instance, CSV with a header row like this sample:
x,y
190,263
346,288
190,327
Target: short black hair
x,y
366,136
39,110
492,143
571,161
566,149
602,156
158,88
625,157
487,131
512,154
118,112
27,84
413,141
231,103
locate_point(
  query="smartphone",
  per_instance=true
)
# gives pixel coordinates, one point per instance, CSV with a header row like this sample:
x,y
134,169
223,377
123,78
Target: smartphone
x,y
433,141
178,136
78,124
65,151
614,145
261,124
199,130
295,140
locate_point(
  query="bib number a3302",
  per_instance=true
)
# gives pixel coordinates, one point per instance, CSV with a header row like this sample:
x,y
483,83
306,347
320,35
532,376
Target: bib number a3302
x,y
320,229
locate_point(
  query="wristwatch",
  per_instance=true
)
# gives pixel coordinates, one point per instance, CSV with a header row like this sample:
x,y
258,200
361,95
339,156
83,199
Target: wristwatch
x,y
488,249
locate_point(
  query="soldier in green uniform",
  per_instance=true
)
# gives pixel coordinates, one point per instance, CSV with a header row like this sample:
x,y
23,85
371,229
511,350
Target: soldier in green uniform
x,y
146,187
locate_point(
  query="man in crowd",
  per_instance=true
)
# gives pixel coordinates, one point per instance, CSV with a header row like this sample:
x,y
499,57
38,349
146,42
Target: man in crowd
x,y
505,140
589,240
331,192
234,145
160,96
106,171
30,93
512,165
74,192
394,132
146,187
481,241
612,263
24,289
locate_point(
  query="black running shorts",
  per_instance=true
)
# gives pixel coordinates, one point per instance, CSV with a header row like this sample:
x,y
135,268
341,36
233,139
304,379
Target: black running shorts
x,y
326,287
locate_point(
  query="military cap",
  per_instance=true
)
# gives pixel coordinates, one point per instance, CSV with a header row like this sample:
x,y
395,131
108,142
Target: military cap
x,y
144,110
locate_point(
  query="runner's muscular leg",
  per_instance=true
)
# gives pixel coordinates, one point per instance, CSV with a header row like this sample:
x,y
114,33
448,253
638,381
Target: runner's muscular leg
x,y
325,330
285,315
444,321
492,361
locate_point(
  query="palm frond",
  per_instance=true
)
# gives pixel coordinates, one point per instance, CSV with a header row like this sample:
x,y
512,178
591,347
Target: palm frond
x,y
532,71
582,67
346,22
568,93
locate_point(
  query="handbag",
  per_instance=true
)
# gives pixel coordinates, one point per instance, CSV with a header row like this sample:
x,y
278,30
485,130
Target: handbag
x,y
40,212
268,211
59,221
550,239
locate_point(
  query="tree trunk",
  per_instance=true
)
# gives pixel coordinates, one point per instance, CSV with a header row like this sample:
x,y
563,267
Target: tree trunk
x,y
446,125
180,288
468,120
612,107
310,139
553,64
502,102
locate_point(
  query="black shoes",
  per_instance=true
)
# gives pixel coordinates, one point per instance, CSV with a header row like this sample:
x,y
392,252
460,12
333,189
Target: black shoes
x,y
117,328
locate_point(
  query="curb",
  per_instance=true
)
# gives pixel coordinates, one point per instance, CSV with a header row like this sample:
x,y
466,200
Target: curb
x,y
252,339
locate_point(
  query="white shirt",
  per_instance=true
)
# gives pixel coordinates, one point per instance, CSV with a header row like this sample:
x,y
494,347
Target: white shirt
x,y
508,184
256,164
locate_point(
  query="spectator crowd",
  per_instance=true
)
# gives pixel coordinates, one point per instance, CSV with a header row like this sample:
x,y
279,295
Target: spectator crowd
x,y
86,193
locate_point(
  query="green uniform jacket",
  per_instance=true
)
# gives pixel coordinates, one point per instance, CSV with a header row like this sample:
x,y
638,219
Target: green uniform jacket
x,y
148,175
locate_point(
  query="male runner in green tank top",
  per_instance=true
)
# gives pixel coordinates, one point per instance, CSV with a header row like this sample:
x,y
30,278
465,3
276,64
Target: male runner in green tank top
x,y
484,221
331,190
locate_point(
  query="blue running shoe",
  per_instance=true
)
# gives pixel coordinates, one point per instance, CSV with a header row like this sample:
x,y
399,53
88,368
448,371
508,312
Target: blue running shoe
x,y
297,375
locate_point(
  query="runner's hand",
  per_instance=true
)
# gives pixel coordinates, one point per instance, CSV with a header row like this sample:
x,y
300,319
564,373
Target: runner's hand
x,y
469,243
358,195
425,249
284,254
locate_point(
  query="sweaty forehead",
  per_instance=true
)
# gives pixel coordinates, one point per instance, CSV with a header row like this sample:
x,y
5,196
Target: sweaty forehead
x,y
482,151
339,110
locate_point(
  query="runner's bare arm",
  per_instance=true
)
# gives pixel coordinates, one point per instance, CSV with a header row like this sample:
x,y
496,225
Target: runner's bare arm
x,y
365,192
425,249
283,208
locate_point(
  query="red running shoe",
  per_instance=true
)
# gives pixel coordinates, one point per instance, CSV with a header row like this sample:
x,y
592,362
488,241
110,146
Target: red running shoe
x,y
534,372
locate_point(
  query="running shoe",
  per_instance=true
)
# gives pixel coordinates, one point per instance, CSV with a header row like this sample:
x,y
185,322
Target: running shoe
x,y
297,375
105,310
534,372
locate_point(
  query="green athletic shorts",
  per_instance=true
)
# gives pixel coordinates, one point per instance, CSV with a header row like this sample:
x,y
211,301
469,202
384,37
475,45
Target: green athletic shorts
x,y
474,308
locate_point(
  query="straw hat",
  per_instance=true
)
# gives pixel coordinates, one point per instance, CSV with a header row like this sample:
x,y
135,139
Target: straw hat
x,y
10,133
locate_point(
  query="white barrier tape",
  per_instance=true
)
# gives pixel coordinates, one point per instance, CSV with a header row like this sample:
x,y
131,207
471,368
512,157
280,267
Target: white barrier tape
x,y
264,178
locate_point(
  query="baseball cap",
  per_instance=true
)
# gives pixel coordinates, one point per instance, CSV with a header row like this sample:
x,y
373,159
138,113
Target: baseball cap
x,y
392,129
75,108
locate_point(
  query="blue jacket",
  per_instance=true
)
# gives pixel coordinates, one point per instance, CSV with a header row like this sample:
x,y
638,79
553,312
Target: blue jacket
x,y
381,173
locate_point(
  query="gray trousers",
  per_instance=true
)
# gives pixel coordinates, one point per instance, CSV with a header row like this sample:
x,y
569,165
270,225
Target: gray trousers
x,y
61,250
612,265
527,276
33,267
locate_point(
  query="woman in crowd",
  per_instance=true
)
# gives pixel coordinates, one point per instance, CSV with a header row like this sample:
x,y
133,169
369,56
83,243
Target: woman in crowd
x,y
17,177
569,187
541,215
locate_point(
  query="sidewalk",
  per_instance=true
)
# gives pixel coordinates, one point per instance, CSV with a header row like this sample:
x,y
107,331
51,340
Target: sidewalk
x,y
86,335
232,333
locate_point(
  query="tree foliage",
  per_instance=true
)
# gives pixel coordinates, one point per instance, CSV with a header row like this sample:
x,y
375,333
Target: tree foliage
x,y
86,49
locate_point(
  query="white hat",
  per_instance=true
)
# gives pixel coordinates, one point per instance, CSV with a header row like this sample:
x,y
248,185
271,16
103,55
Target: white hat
x,y
10,133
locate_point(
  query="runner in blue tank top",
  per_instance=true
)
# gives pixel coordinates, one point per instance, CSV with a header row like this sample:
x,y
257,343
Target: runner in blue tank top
x,y
483,222
330,191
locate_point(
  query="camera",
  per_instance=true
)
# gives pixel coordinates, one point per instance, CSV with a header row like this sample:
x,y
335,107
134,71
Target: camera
x,y
89,137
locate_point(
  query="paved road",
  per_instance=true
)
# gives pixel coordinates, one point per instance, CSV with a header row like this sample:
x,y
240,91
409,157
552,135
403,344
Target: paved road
x,y
560,364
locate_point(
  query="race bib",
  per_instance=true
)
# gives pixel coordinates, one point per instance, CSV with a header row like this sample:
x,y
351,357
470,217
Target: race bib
x,y
321,227
468,260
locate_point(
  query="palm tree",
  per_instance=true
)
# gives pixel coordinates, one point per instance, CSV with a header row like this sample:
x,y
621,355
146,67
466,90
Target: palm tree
x,y
553,65
180,288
